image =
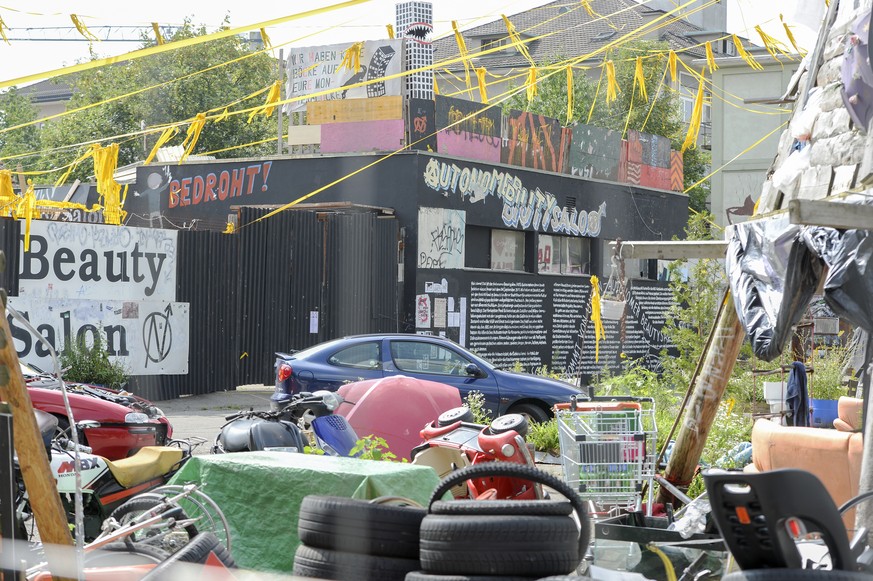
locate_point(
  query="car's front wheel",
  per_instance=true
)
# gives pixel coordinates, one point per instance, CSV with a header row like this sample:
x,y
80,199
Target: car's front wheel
x,y
531,411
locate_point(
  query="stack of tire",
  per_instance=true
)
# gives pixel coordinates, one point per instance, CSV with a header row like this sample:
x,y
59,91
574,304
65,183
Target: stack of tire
x,y
470,540
351,540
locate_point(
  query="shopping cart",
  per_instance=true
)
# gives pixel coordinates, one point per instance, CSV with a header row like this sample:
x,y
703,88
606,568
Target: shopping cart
x,y
608,450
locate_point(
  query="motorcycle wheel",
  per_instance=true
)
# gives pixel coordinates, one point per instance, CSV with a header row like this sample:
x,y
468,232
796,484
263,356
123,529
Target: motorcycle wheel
x,y
123,554
505,423
504,507
458,414
169,539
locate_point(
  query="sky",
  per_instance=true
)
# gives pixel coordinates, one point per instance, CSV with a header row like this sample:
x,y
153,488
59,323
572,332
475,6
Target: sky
x,y
361,22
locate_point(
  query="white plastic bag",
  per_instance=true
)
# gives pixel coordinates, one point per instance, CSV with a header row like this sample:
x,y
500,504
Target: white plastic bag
x,y
789,172
801,125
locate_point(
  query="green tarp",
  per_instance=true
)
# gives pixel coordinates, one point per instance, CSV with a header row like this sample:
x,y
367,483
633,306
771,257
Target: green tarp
x,y
260,494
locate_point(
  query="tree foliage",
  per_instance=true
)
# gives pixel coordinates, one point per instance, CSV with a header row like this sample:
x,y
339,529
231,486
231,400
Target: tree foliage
x,y
629,108
16,109
186,93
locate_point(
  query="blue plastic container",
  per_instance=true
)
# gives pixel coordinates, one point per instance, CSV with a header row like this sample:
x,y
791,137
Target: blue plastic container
x,y
822,413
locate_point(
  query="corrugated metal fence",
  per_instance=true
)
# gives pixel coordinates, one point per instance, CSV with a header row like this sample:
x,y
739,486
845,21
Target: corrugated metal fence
x,y
281,284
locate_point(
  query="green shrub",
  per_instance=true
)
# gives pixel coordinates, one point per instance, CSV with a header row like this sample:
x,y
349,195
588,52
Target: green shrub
x,y
373,447
84,364
544,436
475,400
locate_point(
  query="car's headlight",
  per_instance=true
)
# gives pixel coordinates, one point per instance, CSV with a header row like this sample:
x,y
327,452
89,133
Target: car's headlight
x,y
136,418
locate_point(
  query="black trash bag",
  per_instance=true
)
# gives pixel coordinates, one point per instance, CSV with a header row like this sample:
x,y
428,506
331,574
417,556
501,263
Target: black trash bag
x,y
849,282
773,276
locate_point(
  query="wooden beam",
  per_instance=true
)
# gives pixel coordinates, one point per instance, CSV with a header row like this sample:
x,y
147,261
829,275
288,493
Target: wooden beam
x,y
832,214
45,501
673,250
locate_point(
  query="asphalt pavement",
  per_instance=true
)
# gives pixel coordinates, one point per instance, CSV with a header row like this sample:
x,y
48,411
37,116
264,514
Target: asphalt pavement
x,y
203,415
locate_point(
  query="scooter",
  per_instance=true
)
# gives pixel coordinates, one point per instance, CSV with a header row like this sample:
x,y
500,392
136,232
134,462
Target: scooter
x,y
289,429
106,484
454,441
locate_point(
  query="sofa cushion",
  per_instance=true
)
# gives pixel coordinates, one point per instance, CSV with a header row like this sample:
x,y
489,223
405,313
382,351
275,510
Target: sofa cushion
x,y
833,456
851,412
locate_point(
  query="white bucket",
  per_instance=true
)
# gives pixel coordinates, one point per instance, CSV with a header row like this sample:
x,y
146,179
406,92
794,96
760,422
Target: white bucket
x,y
611,310
774,391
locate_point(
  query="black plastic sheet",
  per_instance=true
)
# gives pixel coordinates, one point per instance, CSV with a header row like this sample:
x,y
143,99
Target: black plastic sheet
x,y
848,284
773,276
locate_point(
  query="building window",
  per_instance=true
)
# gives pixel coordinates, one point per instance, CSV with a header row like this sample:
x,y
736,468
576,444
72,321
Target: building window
x,y
496,249
507,250
688,93
563,255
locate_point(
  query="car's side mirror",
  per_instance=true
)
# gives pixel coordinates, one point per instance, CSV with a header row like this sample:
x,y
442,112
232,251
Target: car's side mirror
x,y
473,369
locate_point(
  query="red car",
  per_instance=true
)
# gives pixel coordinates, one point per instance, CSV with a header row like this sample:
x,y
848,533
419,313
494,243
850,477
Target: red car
x,y
127,422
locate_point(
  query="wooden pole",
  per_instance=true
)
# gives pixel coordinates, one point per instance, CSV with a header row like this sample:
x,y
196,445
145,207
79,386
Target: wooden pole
x,y
41,488
718,364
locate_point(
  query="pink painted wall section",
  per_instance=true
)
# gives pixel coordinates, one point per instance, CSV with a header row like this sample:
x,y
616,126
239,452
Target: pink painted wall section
x,y
359,136
469,145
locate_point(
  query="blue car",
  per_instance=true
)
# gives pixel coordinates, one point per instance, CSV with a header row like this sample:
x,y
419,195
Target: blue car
x,y
331,364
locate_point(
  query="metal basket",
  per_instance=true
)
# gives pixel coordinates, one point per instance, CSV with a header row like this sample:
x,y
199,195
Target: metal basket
x,y
608,450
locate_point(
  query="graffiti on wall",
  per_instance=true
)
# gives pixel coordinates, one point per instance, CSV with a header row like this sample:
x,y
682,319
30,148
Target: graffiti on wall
x,y
422,125
220,185
595,152
534,141
441,238
523,208
468,129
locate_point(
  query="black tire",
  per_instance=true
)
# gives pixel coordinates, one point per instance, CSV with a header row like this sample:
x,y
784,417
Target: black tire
x,y
169,540
195,552
499,545
424,576
505,423
458,414
327,564
532,411
510,470
792,574
357,526
122,554
502,507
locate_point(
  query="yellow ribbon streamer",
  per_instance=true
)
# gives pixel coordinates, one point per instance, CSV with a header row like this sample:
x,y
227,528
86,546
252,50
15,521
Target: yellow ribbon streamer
x,y
531,84
480,76
273,97
229,228
83,30
599,332
772,45
750,60
671,64
80,159
390,28
225,33
352,58
158,38
462,51
105,162
612,88
267,42
436,88
586,4
640,79
516,40
710,58
570,94
168,134
222,116
3,29
7,193
193,135
696,116
791,39
26,208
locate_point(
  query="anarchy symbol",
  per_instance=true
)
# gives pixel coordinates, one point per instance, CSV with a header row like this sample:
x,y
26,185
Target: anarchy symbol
x,y
157,336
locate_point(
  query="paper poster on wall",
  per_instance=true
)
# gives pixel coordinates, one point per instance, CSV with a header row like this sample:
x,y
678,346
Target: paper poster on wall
x,y
439,313
313,322
441,238
422,312
315,69
147,337
462,315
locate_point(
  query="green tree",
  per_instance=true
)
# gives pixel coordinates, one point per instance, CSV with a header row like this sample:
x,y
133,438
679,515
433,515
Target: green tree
x,y
179,100
628,108
16,109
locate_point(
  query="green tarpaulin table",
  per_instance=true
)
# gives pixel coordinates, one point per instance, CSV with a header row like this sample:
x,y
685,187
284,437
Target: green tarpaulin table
x,y
260,494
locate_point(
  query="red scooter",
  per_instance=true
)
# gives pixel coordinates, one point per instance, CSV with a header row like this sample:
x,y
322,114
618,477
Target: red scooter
x,y
454,441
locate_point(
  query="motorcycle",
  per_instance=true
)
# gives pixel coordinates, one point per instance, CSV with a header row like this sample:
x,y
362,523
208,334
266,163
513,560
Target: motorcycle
x,y
306,422
455,441
106,484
